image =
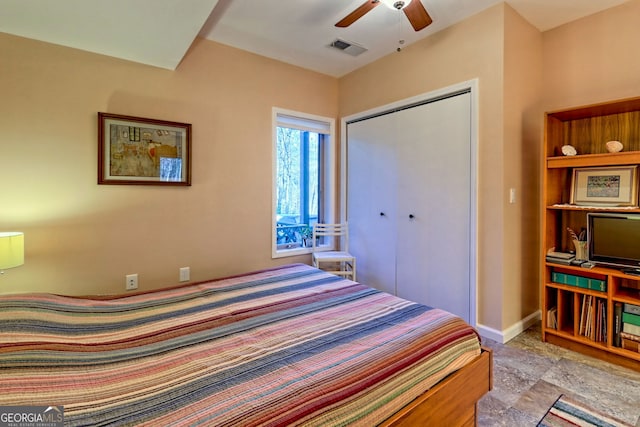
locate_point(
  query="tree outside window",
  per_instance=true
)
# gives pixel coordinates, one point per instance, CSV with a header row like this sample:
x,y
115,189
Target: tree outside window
x,y
298,185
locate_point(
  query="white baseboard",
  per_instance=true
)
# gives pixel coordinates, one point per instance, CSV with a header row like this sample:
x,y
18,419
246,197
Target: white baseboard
x,y
512,331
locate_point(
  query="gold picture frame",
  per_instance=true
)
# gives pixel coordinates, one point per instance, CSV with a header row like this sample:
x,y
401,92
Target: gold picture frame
x,y
605,186
136,150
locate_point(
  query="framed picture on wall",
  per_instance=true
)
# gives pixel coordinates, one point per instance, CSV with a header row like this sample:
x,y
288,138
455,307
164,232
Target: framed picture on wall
x,y
136,150
605,186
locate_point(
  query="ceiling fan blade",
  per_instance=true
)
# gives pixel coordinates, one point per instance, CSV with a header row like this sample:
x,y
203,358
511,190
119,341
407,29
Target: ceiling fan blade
x,y
358,13
417,15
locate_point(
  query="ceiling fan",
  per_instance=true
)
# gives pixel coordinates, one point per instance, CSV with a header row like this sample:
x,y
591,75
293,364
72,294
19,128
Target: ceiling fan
x,y
413,9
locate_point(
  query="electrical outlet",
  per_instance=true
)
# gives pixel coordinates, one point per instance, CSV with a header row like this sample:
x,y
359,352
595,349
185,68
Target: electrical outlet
x,y
185,273
131,282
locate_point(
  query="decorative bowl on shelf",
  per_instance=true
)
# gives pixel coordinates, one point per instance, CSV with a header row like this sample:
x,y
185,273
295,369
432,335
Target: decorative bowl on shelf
x,y
614,146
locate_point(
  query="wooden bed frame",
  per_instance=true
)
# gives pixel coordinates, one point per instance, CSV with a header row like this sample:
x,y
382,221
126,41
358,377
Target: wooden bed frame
x,y
451,402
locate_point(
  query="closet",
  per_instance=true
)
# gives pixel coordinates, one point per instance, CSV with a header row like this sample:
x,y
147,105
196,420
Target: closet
x,y
410,190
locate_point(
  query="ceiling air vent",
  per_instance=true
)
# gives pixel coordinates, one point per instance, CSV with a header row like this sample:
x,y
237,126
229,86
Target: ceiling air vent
x,y
347,47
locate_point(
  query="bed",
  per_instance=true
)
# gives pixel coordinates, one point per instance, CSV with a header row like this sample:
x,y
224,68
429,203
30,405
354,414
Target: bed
x,y
292,345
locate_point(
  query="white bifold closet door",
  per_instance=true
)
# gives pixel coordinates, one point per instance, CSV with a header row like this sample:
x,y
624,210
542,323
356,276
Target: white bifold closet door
x,y
409,202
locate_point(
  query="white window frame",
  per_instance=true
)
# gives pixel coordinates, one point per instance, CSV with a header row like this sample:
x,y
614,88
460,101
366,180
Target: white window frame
x,y
313,123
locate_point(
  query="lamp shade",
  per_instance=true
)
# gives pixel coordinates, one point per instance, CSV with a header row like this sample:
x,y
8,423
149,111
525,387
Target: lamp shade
x,y
11,249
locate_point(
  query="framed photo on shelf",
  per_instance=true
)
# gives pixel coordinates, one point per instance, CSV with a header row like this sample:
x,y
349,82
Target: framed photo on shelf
x,y
605,186
135,150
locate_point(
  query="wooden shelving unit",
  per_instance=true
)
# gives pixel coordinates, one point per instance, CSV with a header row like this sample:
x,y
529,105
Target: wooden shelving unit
x,y
586,128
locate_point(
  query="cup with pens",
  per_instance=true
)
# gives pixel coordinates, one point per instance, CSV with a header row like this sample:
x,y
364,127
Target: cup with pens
x,y
580,243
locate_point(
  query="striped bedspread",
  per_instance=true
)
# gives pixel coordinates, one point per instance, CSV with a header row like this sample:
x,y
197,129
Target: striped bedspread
x,y
288,346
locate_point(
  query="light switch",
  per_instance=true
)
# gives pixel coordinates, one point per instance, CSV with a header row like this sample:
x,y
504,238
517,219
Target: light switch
x,y
185,274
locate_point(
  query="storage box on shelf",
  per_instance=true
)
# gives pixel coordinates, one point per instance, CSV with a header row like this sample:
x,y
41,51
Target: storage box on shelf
x,y
578,304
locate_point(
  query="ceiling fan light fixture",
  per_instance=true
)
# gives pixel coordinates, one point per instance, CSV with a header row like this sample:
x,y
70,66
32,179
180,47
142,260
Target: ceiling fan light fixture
x,y
413,10
396,4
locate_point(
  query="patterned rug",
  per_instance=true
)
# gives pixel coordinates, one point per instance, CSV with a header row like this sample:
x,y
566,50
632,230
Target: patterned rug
x,y
566,412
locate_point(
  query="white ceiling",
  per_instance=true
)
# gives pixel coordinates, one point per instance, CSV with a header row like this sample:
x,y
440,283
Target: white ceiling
x,y
159,32
154,32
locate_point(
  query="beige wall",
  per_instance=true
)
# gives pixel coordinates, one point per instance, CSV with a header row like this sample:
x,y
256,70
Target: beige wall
x,y
522,130
588,61
593,60
82,238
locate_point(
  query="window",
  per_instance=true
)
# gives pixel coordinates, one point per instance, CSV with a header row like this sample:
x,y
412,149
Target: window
x,y
303,179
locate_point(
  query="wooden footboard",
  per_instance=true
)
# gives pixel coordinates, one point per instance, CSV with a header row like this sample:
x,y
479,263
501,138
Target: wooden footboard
x,y
452,402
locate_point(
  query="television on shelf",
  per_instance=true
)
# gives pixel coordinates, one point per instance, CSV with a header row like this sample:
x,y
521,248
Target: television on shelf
x,y
614,240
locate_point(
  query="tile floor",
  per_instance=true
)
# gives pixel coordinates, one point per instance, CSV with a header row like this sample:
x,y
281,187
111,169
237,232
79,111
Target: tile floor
x,y
530,375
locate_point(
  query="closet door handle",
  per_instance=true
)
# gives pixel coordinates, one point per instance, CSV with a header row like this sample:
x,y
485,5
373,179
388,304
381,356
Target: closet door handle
x,y
381,213
411,216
